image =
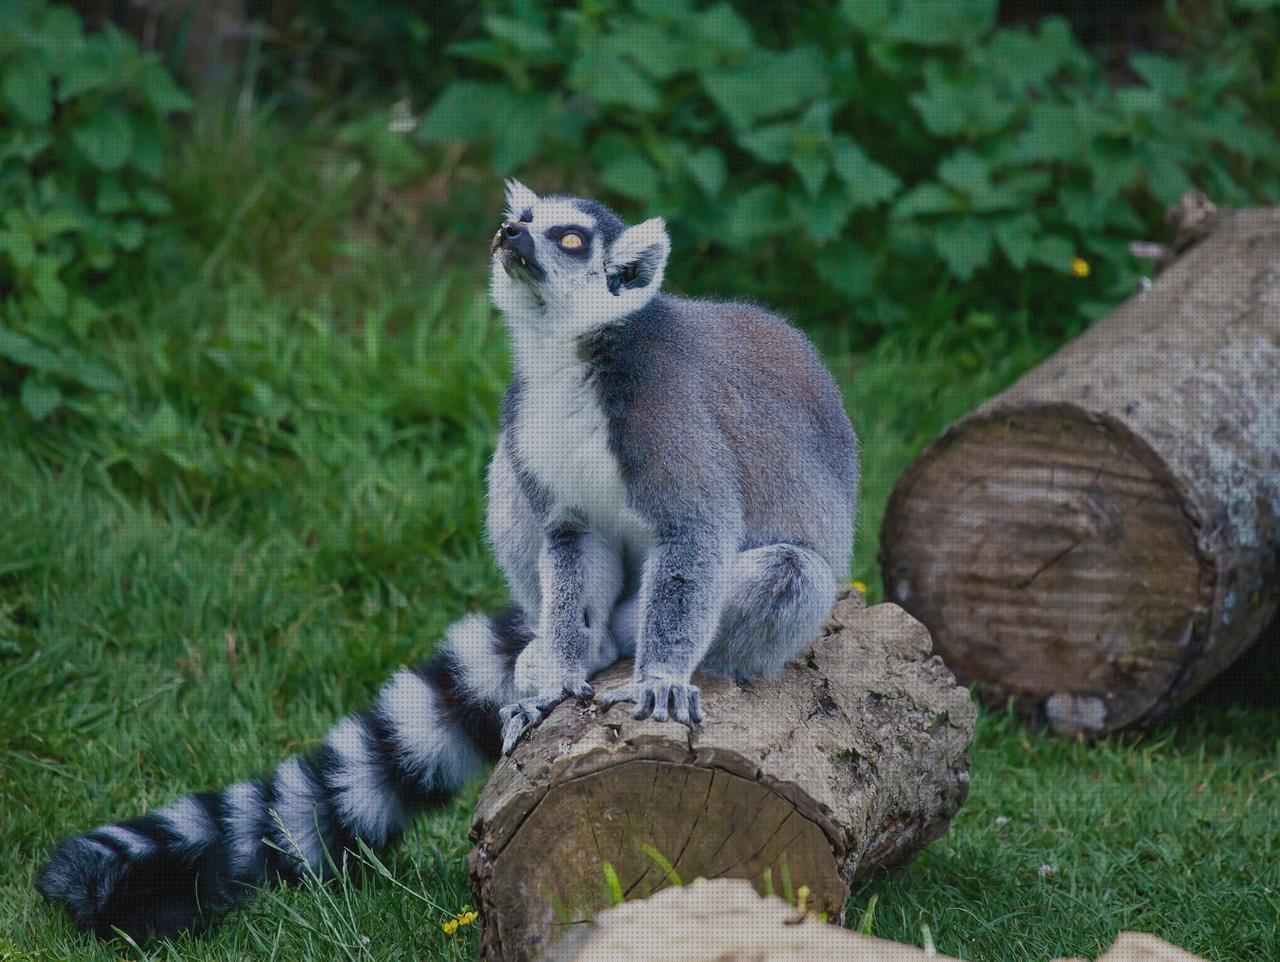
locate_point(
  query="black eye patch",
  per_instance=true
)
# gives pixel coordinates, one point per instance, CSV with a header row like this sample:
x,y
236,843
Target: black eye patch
x,y
557,233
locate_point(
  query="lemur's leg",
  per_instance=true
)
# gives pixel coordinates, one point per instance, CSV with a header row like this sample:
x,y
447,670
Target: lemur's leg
x,y
581,578
683,586
431,728
778,599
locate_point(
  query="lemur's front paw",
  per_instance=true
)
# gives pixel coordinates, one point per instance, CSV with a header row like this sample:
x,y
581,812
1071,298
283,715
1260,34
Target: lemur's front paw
x,y
518,718
660,699
540,673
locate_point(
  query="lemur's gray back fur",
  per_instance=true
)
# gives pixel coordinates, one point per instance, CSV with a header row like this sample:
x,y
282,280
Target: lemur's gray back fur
x,y
674,478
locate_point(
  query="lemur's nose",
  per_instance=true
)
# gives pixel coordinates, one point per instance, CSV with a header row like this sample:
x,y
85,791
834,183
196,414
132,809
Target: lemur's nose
x,y
515,236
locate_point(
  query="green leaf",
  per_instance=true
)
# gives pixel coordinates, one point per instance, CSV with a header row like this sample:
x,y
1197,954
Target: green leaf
x,y
964,243
27,90
823,216
952,106
775,83
612,82
58,221
1016,236
460,113
18,246
925,199
771,143
23,351
25,145
968,174
39,397
112,198
658,52
531,39
867,16
706,166
1170,77
812,166
866,182
105,139
162,93
84,70
146,153
724,28
941,23
755,213
129,234
846,268
153,202
48,286
1053,134
1053,251
632,176
82,316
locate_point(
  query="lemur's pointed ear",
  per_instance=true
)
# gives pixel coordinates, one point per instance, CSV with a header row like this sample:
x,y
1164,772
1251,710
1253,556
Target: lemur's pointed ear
x,y
638,257
519,199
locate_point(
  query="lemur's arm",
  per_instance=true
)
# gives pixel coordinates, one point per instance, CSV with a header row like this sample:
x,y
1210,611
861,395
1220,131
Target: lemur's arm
x,y
681,595
580,578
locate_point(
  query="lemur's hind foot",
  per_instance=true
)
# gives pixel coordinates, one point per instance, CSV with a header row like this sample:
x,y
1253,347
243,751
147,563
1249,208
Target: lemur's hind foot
x,y
778,599
431,728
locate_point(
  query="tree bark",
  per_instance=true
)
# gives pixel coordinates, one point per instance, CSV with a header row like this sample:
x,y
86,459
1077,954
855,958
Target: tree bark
x,y
725,921
1097,542
850,761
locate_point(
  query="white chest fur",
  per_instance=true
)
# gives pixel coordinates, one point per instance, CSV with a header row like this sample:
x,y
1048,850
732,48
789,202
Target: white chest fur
x,y
562,437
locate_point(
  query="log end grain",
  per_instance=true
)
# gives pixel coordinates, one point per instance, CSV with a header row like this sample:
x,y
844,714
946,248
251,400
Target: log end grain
x,y
1054,565
850,761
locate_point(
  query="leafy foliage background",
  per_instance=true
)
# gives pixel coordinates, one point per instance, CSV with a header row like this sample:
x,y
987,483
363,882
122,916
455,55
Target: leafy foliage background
x,y
871,148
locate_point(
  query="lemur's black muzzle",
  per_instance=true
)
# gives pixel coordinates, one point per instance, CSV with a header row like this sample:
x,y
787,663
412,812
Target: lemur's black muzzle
x,y
514,238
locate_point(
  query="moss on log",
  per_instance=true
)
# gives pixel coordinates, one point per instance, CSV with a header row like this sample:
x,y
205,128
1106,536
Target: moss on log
x,y
850,761
1103,538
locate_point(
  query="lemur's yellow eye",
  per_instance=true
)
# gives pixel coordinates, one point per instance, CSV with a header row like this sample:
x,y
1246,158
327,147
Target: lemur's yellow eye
x,y
571,242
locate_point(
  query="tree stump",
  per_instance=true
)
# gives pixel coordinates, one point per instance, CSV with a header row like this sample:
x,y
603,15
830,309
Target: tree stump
x,y
1101,539
725,921
851,760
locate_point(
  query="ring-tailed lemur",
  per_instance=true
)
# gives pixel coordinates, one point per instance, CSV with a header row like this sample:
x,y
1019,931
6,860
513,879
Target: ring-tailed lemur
x,y
675,479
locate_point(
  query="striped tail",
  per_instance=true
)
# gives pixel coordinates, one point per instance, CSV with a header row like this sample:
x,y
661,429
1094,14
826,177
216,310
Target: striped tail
x,y
432,728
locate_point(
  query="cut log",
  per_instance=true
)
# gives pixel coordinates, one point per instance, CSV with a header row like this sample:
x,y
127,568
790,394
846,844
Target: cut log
x,y
726,921
851,760
1103,538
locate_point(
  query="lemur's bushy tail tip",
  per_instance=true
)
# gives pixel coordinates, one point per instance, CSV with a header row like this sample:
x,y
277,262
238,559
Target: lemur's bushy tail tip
x,y
138,877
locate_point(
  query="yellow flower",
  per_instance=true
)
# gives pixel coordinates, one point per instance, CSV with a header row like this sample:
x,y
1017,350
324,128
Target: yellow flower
x,y
466,918
1080,267
859,587
450,927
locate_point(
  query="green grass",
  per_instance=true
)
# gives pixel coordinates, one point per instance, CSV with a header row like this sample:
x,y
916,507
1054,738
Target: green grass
x,y
288,504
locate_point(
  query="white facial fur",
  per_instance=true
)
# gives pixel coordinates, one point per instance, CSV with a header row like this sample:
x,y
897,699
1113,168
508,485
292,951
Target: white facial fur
x,y
574,297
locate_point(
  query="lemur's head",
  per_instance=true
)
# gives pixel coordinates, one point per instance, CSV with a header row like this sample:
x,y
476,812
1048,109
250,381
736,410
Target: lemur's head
x,y
563,265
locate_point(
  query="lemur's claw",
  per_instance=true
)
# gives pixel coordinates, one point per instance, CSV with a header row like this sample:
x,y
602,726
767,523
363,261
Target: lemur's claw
x,y
660,700
518,718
